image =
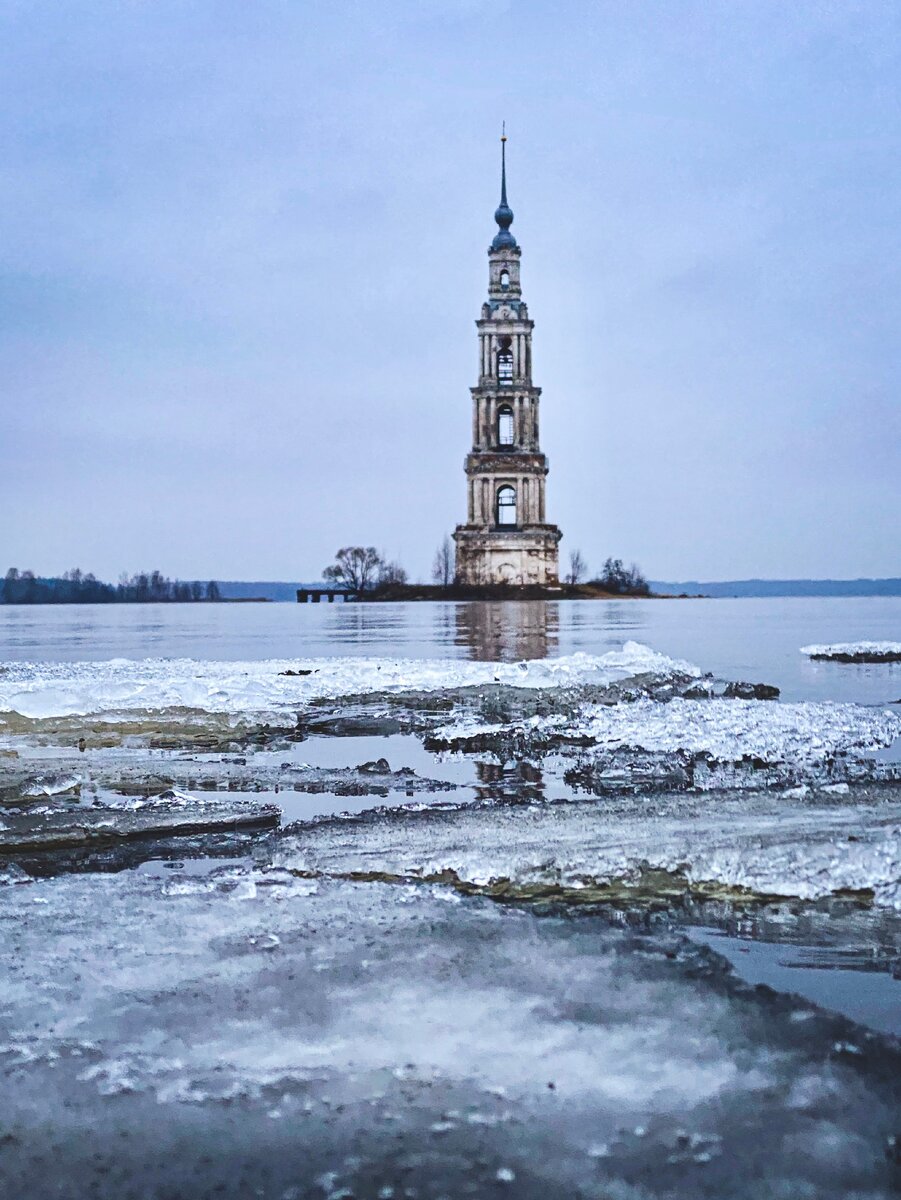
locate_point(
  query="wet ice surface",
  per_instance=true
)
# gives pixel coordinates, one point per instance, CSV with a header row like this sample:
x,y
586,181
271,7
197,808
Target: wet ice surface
x,y
254,1033
290,1023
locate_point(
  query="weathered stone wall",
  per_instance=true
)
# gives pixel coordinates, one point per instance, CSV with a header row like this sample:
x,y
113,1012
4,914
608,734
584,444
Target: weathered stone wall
x,y
516,557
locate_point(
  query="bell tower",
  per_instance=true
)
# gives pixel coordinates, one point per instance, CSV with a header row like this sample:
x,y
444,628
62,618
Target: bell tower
x,y
506,538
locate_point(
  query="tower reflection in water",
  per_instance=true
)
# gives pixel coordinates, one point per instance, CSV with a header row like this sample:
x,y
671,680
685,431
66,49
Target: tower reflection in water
x,y
513,781
507,630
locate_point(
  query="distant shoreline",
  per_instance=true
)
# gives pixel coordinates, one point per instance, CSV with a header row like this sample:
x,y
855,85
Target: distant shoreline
x,y
270,591
750,588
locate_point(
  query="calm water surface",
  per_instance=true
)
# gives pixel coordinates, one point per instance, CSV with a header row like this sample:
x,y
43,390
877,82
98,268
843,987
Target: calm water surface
x,y
757,640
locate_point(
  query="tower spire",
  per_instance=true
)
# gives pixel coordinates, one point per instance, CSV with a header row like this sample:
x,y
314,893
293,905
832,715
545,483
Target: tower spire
x,y
503,164
503,239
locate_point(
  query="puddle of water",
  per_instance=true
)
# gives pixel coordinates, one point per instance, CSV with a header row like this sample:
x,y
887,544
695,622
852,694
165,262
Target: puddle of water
x,y
872,998
305,806
163,867
888,754
479,777
400,749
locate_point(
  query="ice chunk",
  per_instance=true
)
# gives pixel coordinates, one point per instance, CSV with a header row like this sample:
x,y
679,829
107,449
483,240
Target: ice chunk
x,y
169,798
862,652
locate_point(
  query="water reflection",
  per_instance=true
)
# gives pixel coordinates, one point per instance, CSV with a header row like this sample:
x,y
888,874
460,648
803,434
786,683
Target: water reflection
x,y
627,618
516,782
506,630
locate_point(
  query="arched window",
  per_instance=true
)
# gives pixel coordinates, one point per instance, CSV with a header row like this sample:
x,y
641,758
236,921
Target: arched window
x,y
506,506
504,361
505,279
505,426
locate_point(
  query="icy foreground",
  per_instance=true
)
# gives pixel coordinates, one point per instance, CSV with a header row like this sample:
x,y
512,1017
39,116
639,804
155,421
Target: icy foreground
x,y
121,685
342,1009
251,1033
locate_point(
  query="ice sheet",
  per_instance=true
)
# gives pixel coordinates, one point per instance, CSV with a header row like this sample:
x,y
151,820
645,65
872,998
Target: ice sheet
x,y
249,1033
122,685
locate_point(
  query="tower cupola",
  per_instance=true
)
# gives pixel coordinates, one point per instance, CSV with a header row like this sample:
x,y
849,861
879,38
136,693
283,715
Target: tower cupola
x,y
503,214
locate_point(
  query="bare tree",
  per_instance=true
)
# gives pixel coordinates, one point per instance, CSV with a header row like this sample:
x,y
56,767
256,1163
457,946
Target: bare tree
x,y
638,585
443,566
391,572
357,567
623,581
577,568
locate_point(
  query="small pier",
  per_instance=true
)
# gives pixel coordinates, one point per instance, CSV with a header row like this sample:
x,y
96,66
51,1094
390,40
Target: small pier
x,y
315,595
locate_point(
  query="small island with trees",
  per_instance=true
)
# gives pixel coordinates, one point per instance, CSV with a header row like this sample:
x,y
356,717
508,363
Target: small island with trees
x,y
362,573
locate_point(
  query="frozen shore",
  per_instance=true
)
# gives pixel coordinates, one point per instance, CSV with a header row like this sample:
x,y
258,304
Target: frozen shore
x,y
476,984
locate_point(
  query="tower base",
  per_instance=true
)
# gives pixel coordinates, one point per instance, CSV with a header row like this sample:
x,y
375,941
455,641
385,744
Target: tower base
x,y
518,557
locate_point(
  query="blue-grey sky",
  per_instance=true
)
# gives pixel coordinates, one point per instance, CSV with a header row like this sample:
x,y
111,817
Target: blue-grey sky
x,y
244,247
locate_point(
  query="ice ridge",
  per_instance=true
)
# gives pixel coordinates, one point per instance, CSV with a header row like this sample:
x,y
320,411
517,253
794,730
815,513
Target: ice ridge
x,y
728,730
40,690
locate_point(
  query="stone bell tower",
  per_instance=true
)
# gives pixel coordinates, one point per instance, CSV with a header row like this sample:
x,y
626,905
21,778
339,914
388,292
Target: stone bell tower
x,y
506,538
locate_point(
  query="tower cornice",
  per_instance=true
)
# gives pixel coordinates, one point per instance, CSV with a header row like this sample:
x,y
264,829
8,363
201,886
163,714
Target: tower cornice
x,y
505,324
492,391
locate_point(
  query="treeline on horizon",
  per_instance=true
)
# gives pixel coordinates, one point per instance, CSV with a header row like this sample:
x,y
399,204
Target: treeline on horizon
x,y
80,587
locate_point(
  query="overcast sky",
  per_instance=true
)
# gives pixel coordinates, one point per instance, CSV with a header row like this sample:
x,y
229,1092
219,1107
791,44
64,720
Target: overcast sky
x,y
244,246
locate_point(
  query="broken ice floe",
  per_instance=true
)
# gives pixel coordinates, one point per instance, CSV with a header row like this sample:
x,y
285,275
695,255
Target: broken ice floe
x,y
856,652
53,784
725,730
60,689
761,843
28,836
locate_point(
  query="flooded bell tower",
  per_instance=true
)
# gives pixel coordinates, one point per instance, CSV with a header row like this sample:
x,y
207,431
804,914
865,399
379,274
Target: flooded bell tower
x,y
506,538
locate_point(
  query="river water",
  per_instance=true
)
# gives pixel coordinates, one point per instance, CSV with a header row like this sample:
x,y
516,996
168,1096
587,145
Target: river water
x,y
752,639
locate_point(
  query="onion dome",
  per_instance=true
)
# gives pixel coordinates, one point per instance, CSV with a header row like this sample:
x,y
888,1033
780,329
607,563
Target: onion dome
x,y
503,214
